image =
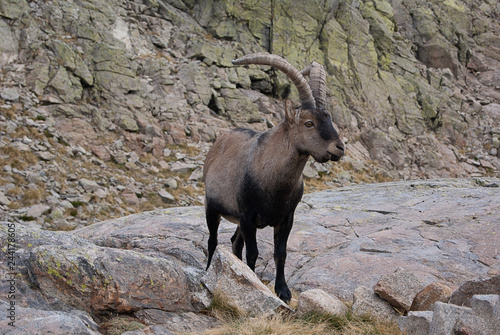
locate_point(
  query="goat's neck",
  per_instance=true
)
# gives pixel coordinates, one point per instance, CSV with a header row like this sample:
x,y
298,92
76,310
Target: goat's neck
x,y
279,158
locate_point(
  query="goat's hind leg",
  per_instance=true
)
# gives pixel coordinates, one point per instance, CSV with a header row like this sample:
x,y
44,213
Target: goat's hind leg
x,y
237,243
213,220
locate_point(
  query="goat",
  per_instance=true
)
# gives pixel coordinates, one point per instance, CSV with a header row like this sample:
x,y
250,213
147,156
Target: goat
x,y
254,179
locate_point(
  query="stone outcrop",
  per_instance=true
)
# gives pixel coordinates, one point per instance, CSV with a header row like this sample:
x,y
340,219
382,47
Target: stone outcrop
x,y
151,265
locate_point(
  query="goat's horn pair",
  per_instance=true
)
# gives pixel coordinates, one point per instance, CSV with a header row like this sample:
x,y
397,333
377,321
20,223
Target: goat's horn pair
x,y
263,58
317,82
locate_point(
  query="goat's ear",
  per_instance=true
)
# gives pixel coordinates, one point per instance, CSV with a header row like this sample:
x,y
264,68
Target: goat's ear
x,y
289,112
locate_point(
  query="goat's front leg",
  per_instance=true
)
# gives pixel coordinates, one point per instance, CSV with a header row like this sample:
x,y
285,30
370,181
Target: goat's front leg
x,y
281,233
249,232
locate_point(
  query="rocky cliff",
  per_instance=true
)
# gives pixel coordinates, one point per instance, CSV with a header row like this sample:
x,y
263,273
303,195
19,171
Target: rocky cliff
x,y
108,107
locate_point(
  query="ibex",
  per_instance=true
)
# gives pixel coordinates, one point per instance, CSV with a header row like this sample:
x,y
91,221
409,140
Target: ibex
x,y
255,179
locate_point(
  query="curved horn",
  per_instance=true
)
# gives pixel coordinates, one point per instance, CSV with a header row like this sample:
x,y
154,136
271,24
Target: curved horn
x,y
263,58
317,82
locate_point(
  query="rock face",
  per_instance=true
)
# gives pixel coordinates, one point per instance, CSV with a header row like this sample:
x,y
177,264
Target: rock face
x,y
129,94
152,265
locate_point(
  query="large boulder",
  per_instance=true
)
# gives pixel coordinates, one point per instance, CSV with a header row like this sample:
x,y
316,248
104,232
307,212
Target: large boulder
x,y
425,299
467,290
99,279
317,300
229,276
367,303
398,288
439,53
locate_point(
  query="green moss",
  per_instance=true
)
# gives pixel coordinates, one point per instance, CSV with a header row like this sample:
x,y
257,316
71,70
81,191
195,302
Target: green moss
x,y
54,272
453,4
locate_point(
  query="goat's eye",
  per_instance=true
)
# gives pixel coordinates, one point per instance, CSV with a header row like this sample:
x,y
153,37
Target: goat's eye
x,y
309,124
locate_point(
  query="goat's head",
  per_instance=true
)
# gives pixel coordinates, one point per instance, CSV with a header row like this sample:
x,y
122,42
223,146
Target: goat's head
x,y
311,124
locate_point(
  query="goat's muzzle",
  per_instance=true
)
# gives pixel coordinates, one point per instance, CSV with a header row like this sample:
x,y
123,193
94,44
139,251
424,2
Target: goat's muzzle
x,y
337,153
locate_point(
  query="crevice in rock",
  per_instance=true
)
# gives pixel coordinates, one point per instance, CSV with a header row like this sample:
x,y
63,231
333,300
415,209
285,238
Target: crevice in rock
x,y
352,228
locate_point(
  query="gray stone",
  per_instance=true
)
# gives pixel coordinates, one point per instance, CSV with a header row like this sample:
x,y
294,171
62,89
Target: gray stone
x,y
484,304
45,156
101,152
88,185
10,94
8,44
367,303
196,175
230,276
119,157
435,242
13,9
463,295
416,323
310,172
128,123
398,288
180,167
4,200
130,197
171,183
35,321
488,308
37,211
446,317
166,197
319,301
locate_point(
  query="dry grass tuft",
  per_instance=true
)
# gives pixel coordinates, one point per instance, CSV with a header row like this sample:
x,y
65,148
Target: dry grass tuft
x,y
272,325
33,196
236,322
17,159
222,308
309,324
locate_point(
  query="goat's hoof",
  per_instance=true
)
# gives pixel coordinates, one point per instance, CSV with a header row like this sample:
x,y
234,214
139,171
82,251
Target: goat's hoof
x,y
285,295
